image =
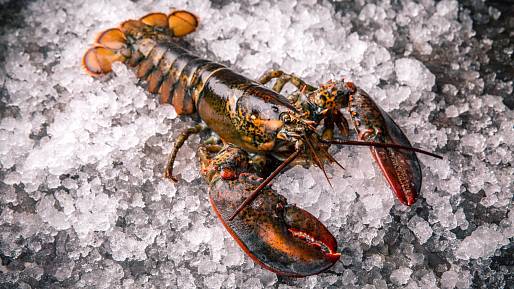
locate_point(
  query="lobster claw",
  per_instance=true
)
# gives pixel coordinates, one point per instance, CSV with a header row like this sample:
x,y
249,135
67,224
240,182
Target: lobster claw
x,y
400,168
280,237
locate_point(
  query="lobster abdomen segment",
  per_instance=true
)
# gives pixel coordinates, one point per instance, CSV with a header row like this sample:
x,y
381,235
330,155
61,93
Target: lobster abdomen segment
x,y
173,73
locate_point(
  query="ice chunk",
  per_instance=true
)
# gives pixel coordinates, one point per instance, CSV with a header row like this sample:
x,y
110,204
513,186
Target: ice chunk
x,y
420,228
252,283
475,141
483,242
413,73
226,49
455,279
52,216
215,281
401,275
96,211
449,279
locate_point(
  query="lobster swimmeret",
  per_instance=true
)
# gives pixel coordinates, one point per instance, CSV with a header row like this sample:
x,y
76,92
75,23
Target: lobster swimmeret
x,y
250,118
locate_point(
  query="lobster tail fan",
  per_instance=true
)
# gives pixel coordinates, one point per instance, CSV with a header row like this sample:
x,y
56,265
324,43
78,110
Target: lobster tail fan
x,y
182,22
107,49
112,38
155,20
98,60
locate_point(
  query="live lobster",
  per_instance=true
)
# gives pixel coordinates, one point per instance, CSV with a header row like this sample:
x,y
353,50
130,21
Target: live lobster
x,y
262,132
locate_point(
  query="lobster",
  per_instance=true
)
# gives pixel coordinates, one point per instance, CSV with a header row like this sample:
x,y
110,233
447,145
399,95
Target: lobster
x,y
260,126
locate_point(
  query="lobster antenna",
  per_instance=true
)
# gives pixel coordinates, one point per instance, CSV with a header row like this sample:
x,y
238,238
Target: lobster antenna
x,y
382,145
319,163
332,159
293,156
256,192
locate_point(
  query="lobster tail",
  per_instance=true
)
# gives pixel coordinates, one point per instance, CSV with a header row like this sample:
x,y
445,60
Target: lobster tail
x,y
147,45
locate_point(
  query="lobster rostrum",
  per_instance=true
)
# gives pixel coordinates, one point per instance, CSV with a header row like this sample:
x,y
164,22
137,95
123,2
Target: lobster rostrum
x,y
253,119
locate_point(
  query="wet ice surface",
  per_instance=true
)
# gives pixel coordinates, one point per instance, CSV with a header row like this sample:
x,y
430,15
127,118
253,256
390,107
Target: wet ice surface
x,y
83,202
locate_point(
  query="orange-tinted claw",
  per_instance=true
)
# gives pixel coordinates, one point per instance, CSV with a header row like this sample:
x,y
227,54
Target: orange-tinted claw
x,y
112,38
182,22
98,60
280,237
155,19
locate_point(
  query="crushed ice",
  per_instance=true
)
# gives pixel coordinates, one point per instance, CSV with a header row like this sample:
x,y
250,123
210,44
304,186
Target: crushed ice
x,y
81,159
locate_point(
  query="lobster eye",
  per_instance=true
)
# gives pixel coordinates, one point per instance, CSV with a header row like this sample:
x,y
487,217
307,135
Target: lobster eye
x,y
286,118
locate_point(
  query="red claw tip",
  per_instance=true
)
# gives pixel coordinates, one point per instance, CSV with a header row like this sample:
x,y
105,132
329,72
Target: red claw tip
x,y
333,257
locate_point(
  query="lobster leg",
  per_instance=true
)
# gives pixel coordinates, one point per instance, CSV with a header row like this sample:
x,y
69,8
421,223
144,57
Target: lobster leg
x,y
280,237
337,119
284,78
342,123
328,128
181,139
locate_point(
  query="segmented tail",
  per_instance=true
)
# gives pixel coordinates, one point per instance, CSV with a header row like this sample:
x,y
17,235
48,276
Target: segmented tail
x,y
111,45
